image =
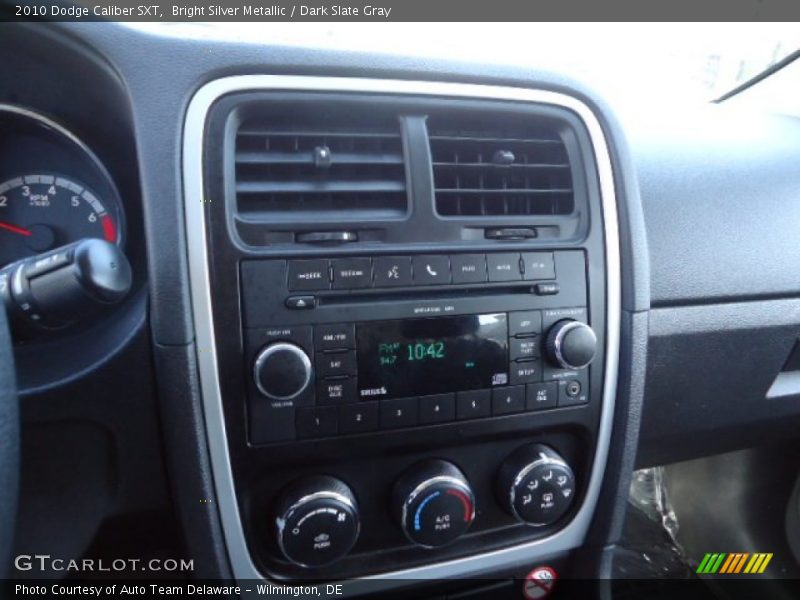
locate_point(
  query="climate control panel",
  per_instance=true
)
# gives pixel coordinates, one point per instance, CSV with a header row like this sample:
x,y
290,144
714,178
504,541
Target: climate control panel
x,y
317,520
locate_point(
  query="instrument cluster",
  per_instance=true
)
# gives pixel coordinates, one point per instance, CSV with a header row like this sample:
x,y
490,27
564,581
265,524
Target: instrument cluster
x,y
71,273
53,188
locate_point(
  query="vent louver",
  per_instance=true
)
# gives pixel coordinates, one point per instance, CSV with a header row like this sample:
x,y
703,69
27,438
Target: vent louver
x,y
318,170
484,169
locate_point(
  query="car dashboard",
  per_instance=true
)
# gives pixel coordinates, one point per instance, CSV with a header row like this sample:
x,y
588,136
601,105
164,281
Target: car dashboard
x,y
391,322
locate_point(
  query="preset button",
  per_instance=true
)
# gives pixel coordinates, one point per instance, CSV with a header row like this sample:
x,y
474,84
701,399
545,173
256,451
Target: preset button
x,y
437,409
474,404
316,422
507,400
358,418
400,412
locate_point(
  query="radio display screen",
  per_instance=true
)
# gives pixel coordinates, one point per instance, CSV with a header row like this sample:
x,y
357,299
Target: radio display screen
x,y
416,357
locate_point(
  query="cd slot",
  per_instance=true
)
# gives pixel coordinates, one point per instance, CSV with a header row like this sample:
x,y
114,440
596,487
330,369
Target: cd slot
x,y
372,296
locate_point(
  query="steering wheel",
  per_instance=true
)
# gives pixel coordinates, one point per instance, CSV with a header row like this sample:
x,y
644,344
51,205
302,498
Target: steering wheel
x,y
9,445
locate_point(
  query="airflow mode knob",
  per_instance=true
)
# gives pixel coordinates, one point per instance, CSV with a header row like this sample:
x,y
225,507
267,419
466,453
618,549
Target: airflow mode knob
x,y
535,485
317,521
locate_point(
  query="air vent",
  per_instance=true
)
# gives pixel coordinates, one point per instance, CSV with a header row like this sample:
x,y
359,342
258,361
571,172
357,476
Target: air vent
x,y
505,169
320,169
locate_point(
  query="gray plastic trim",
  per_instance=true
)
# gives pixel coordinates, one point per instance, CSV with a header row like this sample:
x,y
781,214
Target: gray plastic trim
x,y
571,536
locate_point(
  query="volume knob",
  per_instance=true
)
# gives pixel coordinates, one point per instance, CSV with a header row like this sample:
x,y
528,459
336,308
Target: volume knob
x,y
571,344
282,371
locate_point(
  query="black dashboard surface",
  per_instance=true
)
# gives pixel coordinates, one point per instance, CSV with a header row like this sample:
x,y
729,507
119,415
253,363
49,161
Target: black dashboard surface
x,y
719,192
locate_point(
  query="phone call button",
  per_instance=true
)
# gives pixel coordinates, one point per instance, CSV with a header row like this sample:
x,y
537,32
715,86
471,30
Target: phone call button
x,y
431,270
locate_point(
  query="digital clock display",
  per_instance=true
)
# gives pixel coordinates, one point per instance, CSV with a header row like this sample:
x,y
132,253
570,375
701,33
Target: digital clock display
x,y
416,357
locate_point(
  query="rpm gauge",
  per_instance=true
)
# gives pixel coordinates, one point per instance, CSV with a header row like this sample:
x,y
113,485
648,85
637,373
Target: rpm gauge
x,y
39,212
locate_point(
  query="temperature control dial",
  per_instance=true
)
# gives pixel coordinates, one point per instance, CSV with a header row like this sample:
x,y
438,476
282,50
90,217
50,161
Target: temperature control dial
x,y
282,371
433,503
536,486
317,521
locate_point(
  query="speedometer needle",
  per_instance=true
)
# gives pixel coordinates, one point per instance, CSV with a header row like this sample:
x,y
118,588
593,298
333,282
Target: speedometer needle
x,y
15,228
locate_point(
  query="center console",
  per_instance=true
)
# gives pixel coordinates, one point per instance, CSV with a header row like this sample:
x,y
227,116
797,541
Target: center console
x,y
406,297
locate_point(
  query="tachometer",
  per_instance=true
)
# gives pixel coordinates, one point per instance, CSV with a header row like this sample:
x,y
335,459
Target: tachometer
x,y
44,210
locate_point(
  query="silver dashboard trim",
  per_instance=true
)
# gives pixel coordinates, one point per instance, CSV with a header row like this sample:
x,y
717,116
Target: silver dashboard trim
x,y
242,565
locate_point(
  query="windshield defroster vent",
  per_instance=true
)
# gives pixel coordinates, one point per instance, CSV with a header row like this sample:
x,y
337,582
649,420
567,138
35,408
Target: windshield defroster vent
x,y
327,171
499,170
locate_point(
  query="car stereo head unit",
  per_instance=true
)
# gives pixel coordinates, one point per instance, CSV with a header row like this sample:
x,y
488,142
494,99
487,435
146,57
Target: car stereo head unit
x,y
362,357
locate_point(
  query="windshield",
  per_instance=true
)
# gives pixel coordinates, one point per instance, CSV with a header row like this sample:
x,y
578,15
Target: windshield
x,y
692,61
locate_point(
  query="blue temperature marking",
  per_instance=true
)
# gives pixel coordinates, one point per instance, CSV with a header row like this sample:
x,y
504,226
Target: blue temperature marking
x,y
417,514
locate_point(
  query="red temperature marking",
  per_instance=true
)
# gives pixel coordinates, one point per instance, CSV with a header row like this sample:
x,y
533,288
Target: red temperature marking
x,y
109,229
465,501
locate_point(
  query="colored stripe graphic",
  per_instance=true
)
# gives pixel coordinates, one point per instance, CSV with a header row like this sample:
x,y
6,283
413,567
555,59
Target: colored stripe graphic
x,y
730,561
733,563
716,565
741,562
749,568
764,564
701,568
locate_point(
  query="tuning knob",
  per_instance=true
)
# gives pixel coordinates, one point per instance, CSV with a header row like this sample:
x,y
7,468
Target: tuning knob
x,y
282,371
433,503
535,485
317,521
571,344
